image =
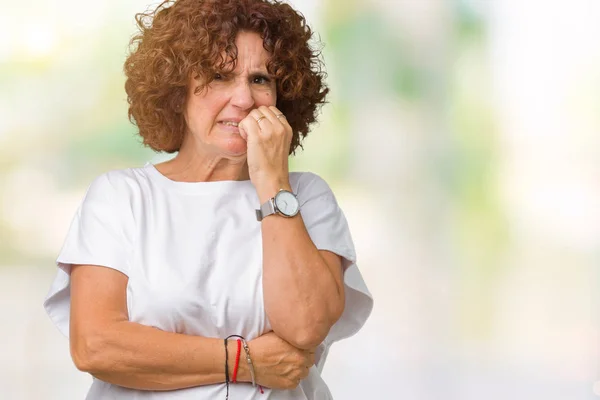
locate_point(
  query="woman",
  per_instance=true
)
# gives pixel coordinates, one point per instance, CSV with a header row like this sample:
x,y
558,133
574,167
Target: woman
x,y
163,263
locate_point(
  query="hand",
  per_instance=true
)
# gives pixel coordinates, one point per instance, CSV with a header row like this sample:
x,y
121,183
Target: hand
x,y
269,142
278,364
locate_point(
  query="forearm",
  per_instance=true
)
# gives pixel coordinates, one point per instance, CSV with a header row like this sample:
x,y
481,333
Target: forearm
x,y
145,358
302,297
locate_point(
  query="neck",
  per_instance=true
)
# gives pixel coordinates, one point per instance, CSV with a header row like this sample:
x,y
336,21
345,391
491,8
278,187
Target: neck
x,y
200,166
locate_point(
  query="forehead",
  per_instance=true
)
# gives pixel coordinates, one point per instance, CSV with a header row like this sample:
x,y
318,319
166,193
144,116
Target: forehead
x,y
250,51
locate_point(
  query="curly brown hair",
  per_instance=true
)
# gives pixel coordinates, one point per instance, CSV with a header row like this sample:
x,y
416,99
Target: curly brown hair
x,y
184,38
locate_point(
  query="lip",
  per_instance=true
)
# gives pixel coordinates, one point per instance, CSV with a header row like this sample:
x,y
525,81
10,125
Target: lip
x,y
233,119
229,128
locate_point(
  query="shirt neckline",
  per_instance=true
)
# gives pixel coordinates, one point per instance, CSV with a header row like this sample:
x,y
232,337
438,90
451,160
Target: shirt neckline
x,y
195,187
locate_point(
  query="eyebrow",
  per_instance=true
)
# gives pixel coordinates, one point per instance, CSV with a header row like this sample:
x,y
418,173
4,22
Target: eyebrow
x,y
260,73
254,72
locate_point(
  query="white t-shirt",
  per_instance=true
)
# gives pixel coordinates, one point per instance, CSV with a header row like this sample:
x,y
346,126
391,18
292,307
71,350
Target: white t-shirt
x,y
193,255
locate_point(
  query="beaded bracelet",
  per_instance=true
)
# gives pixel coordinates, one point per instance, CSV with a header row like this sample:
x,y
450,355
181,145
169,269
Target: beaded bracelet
x,y
237,361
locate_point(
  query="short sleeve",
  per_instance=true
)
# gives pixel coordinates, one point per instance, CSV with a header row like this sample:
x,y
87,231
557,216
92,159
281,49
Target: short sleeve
x,y
328,229
97,236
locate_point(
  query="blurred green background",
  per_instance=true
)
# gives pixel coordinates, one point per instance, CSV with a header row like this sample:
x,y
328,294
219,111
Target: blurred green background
x,y
462,139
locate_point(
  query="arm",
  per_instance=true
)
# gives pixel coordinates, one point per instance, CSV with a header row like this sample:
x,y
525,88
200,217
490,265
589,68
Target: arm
x,y
105,344
303,287
108,346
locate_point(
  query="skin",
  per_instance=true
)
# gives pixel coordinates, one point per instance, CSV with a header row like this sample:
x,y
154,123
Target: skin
x,y
210,150
295,274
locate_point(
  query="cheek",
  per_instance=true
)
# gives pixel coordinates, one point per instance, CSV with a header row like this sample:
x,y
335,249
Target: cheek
x,y
266,99
206,110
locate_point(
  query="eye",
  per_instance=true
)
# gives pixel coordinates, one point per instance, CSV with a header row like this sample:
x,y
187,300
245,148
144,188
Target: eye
x,y
218,77
261,80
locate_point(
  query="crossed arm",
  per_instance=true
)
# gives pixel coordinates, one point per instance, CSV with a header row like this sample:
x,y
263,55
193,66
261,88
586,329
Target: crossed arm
x,y
296,276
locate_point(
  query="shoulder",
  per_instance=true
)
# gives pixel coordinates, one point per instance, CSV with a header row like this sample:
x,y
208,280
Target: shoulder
x,y
116,183
120,190
309,186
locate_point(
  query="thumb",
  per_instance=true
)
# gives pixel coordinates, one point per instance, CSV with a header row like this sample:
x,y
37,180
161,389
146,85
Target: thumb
x,y
243,132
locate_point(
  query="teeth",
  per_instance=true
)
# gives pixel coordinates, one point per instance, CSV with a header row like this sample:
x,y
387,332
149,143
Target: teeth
x,y
230,123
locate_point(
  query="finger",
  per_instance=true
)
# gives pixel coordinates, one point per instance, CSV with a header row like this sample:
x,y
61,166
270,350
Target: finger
x,y
304,373
309,361
276,118
278,114
281,117
271,115
249,125
263,121
243,132
257,115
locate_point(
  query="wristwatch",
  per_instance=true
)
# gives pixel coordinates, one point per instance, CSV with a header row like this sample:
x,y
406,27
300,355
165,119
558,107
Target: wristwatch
x,y
283,203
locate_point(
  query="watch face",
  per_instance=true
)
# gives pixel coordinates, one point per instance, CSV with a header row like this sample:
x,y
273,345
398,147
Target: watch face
x,y
286,203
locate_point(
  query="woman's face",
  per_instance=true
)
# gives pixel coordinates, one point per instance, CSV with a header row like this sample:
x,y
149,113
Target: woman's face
x,y
212,114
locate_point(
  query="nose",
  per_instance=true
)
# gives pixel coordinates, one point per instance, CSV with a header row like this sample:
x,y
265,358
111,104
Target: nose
x,y
242,95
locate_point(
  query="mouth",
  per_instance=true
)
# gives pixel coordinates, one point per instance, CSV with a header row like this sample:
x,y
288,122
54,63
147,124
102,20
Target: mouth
x,y
229,123
231,127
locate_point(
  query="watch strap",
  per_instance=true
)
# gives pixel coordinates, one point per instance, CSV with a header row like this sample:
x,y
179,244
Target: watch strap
x,y
266,209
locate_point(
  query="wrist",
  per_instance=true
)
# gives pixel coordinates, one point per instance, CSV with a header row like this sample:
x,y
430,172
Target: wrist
x,y
248,372
268,189
243,374
231,361
230,354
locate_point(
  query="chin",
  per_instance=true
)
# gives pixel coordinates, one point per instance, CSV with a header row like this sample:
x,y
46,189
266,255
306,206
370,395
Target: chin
x,y
235,147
